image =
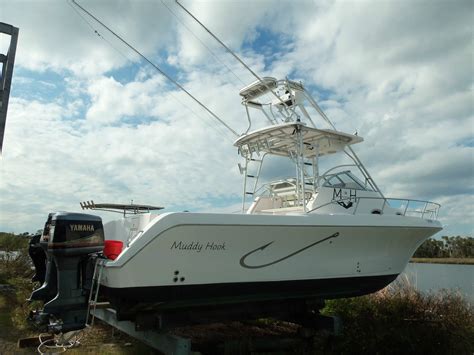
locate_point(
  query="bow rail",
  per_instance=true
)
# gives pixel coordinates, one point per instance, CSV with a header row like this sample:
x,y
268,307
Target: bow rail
x,y
404,206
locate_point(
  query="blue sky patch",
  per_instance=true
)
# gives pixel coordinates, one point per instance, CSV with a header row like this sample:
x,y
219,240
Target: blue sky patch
x,y
468,142
43,86
137,120
125,74
320,93
273,45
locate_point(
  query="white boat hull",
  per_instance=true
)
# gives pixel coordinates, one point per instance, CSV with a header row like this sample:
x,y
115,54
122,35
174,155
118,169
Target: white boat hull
x,y
188,256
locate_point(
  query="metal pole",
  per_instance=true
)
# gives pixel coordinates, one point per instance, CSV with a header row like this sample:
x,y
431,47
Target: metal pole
x,y
244,194
8,62
300,164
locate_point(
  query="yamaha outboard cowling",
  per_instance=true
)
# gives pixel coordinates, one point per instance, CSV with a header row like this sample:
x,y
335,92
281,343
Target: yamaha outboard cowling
x,y
69,240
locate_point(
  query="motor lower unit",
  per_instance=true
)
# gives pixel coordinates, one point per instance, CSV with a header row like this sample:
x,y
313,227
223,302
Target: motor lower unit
x,y
64,258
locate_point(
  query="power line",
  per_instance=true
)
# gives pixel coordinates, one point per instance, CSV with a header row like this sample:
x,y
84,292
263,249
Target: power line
x,y
186,106
234,55
202,42
97,32
156,67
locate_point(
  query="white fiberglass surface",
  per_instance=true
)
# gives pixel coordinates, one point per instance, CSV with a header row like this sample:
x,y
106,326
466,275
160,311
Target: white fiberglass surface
x,y
256,248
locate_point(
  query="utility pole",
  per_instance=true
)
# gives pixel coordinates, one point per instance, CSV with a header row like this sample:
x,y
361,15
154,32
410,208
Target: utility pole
x,y
7,60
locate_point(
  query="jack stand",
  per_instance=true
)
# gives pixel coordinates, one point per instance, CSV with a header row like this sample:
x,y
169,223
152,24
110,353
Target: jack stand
x,y
313,321
167,344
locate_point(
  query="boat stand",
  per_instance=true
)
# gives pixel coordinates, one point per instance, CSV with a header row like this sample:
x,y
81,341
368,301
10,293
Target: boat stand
x,y
166,343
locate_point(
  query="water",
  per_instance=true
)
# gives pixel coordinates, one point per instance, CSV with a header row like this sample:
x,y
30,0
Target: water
x,y
9,255
434,277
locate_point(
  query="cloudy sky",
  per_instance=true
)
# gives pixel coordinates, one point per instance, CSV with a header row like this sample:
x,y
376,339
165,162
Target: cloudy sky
x,y
89,120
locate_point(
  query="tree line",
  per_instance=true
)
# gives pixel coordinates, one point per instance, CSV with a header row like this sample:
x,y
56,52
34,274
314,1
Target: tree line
x,y
13,242
447,247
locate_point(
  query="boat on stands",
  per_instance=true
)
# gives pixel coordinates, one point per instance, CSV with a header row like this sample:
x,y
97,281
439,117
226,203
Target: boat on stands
x,y
312,235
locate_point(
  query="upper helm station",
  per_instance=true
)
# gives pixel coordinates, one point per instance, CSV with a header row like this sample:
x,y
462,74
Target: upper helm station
x,y
292,133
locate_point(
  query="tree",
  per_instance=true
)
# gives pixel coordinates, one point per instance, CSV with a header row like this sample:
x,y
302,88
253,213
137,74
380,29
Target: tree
x,y
453,247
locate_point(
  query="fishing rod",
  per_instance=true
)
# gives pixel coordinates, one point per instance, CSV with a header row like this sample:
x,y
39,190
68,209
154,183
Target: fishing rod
x,y
155,66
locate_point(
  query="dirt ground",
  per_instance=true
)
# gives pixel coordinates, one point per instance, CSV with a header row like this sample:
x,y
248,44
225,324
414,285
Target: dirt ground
x,y
101,339
208,339
104,339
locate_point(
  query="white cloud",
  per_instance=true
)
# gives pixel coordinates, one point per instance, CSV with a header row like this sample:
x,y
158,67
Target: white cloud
x,y
54,36
398,72
55,167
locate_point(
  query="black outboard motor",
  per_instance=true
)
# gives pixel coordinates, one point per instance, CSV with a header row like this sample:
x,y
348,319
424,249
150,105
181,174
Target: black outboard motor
x,y
69,240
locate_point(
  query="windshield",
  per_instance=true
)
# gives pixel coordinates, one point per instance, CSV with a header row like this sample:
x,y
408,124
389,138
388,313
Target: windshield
x,y
344,180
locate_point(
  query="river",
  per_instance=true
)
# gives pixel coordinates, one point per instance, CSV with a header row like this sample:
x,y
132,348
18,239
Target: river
x,y
435,277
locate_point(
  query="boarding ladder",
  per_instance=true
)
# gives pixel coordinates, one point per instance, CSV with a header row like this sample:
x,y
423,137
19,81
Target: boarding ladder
x,y
310,176
252,171
307,182
94,291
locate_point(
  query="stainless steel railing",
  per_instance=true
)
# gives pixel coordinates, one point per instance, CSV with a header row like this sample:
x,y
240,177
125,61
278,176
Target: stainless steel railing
x,y
402,206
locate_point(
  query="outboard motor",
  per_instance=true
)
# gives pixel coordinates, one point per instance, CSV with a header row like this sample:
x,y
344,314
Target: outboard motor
x,y
70,241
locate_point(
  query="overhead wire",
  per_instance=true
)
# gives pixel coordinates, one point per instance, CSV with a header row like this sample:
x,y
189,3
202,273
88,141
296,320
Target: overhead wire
x,y
157,68
205,120
284,105
202,42
215,56
173,96
97,32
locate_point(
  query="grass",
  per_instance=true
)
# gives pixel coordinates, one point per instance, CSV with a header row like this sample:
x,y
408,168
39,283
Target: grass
x,y
461,261
402,320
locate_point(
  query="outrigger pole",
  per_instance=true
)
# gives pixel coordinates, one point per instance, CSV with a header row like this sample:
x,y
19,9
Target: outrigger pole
x,y
156,67
234,55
